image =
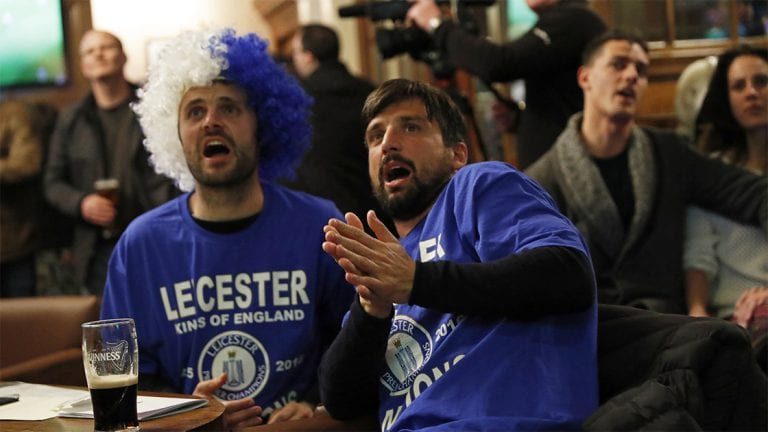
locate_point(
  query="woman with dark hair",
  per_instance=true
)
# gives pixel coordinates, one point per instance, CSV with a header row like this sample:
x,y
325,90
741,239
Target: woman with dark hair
x,y
727,262
719,131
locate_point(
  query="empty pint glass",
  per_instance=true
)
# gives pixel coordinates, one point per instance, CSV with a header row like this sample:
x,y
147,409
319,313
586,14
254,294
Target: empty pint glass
x,y
111,361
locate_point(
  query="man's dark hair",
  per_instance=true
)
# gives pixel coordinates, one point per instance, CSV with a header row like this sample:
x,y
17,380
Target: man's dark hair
x,y
716,127
321,41
594,46
438,104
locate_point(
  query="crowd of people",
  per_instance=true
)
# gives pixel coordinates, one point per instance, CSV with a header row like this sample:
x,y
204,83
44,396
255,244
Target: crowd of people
x,y
296,241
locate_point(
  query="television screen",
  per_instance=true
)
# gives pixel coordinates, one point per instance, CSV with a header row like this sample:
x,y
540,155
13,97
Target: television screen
x,y
32,44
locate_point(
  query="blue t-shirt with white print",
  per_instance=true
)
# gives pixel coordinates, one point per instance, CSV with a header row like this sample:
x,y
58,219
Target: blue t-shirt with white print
x,y
261,304
475,373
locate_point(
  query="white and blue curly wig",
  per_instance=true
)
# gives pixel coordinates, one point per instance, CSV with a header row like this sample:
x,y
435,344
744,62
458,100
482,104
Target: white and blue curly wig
x,y
198,58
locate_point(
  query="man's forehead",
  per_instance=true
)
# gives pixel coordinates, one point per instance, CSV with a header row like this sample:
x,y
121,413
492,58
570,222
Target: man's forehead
x,y
95,38
406,108
624,48
215,91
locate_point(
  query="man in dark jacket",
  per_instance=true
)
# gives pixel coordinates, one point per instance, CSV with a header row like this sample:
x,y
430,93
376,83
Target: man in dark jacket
x,y
546,57
627,188
336,166
98,138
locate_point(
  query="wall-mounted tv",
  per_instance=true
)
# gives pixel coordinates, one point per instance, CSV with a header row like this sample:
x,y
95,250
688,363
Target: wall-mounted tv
x,y
33,49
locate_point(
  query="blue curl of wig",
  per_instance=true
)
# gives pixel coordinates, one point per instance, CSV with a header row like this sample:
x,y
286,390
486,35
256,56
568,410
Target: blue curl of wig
x,y
281,105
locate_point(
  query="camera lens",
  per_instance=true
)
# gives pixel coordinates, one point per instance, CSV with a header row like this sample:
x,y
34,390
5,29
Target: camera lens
x,y
392,42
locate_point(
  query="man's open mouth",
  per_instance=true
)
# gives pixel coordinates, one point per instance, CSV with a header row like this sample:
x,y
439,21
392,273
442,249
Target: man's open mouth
x,y
215,148
396,173
627,92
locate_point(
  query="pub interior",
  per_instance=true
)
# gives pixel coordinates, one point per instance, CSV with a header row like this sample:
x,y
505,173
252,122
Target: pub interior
x,y
40,340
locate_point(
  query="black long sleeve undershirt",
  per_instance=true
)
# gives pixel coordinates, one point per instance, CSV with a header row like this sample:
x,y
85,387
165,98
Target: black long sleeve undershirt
x,y
531,284
349,371
528,285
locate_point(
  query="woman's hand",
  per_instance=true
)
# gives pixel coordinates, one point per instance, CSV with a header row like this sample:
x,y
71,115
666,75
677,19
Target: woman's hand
x,y
747,302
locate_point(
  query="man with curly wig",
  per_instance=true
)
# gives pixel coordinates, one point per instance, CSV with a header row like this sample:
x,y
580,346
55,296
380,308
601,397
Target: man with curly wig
x,y
230,290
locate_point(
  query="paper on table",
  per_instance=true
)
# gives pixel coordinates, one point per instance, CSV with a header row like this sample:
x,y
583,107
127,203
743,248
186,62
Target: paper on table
x,y
36,401
148,407
151,407
41,402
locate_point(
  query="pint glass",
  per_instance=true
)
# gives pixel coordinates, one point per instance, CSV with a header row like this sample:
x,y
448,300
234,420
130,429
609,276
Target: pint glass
x,y
111,361
109,188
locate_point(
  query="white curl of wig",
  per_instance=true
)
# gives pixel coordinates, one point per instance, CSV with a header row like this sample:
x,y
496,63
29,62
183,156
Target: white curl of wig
x,y
191,59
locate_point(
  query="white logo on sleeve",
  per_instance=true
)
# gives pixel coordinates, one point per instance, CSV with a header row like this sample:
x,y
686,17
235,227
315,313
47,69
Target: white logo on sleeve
x,y
430,249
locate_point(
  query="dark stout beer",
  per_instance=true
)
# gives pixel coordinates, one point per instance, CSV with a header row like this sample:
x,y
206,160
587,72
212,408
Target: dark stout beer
x,y
114,402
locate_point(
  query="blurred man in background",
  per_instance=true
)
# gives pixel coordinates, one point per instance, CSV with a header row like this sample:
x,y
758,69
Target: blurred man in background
x,y
336,165
97,138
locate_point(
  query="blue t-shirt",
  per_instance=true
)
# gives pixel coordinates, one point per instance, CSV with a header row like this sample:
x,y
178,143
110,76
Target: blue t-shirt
x,y
475,373
261,304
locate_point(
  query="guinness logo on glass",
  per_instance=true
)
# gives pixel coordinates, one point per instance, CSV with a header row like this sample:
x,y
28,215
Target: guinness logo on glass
x,y
111,357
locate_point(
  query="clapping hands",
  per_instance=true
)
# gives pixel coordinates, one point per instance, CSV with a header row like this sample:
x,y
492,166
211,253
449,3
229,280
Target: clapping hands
x,y
379,267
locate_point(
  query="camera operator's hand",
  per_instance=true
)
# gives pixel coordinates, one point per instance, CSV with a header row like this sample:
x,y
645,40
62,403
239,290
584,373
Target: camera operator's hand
x,y
424,13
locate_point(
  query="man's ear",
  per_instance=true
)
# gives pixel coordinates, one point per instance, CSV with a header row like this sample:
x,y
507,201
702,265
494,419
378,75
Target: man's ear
x,y
582,77
123,58
309,56
460,154
312,62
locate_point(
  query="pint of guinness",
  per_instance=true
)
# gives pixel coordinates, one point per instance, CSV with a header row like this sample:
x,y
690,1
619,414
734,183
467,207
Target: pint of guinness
x,y
114,403
110,358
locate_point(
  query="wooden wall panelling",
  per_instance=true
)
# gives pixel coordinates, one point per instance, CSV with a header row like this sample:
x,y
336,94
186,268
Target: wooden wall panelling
x,y
282,16
669,58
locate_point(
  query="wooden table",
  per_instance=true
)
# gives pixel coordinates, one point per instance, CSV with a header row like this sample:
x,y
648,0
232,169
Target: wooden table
x,y
321,422
207,418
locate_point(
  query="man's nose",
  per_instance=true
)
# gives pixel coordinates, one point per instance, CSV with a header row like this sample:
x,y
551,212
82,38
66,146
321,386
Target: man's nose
x,y
391,141
631,73
212,120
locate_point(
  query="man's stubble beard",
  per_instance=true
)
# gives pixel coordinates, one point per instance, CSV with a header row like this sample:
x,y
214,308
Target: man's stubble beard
x,y
239,175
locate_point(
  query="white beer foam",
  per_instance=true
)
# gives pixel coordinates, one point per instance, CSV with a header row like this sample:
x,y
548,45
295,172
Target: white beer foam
x,y
112,381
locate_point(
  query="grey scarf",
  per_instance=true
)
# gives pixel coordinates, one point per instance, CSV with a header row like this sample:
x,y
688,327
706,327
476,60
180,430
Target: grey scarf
x,y
587,196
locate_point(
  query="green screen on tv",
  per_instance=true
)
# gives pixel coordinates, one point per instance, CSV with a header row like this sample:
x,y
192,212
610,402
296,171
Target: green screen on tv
x,y
32,44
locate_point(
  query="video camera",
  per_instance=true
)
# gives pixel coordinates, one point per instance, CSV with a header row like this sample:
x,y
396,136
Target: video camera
x,y
412,40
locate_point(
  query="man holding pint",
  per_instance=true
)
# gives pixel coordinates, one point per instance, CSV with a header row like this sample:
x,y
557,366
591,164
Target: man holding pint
x,y
230,290
95,151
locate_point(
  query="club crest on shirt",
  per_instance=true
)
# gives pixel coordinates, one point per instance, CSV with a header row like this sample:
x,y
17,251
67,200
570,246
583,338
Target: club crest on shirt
x,y
408,348
242,357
